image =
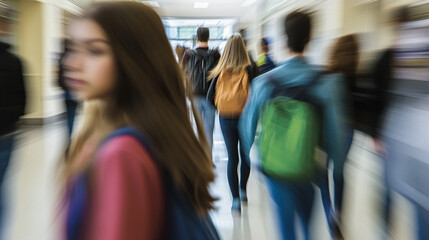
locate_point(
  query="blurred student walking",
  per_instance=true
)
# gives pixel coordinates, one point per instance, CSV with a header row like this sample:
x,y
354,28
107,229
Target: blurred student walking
x,y
136,169
343,59
12,100
265,63
286,102
229,91
198,63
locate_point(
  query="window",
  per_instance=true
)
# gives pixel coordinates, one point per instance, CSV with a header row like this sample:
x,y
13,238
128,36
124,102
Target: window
x,y
187,32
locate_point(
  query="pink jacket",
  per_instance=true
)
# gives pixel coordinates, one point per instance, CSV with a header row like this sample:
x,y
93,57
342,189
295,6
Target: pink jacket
x,y
126,199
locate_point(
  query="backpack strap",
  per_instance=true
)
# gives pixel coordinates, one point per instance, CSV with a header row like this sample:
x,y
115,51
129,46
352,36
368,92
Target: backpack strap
x,y
202,53
130,131
141,138
171,192
175,199
78,197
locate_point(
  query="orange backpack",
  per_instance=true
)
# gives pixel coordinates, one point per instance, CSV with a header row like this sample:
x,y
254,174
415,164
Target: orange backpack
x,y
232,91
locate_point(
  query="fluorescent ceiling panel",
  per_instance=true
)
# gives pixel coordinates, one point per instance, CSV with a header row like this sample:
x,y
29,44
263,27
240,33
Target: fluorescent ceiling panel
x,y
201,5
151,3
248,3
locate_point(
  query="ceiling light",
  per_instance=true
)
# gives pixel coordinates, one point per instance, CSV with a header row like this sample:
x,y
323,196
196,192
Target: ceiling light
x,y
151,3
248,3
201,5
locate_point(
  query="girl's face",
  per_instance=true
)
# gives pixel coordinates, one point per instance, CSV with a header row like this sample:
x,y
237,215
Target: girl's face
x,y
89,65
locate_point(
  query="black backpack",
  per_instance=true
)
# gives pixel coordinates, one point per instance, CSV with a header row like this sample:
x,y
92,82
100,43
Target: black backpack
x,y
199,64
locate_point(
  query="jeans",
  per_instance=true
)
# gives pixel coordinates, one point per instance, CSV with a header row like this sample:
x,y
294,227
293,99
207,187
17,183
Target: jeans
x,y
229,127
338,177
71,106
422,223
208,114
387,204
291,198
6,148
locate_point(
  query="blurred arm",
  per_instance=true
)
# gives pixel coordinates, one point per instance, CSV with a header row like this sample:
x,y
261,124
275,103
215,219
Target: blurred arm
x,y
382,74
334,105
259,94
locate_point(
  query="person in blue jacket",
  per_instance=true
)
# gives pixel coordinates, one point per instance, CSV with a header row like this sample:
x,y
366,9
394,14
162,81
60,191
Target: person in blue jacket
x,y
329,92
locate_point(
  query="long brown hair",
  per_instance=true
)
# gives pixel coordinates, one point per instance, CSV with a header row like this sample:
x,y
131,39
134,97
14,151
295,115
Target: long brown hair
x,y
344,56
180,51
150,96
234,57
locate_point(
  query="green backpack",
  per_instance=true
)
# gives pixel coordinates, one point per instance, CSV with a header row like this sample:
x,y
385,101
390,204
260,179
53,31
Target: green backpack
x,y
289,133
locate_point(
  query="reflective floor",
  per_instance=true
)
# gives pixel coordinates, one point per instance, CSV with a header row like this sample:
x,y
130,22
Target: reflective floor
x,y
33,190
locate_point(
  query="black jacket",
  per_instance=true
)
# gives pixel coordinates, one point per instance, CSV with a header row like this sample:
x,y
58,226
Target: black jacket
x,y
12,90
382,75
195,69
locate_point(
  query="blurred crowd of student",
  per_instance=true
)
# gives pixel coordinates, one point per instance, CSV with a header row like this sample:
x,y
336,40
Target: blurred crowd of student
x,y
141,161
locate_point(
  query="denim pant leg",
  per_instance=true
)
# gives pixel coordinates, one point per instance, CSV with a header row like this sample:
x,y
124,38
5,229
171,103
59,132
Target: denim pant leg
x,y
208,113
323,184
6,148
387,204
338,173
283,196
291,198
230,135
338,177
422,223
305,201
245,166
209,122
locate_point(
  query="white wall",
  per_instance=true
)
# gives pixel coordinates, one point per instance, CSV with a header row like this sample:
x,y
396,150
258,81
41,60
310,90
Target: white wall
x,y
39,29
29,34
270,23
331,19
52,94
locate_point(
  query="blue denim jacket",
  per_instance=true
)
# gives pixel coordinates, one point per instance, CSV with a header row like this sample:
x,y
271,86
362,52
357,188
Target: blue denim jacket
x,y
329,92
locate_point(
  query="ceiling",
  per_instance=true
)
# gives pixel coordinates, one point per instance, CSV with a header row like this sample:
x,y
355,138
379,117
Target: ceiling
x,y
174,22
216,8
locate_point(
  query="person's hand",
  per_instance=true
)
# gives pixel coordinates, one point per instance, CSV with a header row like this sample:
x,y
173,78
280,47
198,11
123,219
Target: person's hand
x,y
379,146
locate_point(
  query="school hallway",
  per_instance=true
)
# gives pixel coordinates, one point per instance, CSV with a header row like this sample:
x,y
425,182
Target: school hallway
x,y
33,187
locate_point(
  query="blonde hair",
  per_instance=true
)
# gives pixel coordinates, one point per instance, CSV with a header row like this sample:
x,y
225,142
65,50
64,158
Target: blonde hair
x,y
149,96
234,57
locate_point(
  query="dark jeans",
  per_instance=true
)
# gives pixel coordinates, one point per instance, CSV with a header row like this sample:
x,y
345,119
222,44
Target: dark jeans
x,y
338,177
422,223
387,204
71,106
229,127
6,148
291,198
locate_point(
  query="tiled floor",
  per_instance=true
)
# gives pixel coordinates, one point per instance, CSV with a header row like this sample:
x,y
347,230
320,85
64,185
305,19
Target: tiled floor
x,y
34,176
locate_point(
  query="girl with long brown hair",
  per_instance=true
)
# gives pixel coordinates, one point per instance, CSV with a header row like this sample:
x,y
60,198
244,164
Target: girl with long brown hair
x,y
121,64
343,59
